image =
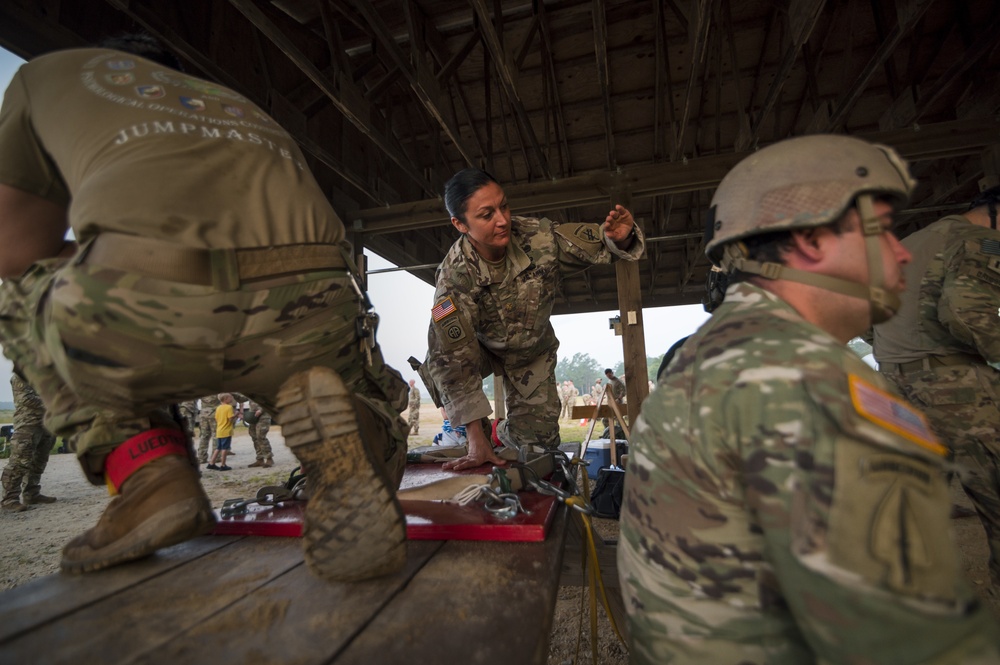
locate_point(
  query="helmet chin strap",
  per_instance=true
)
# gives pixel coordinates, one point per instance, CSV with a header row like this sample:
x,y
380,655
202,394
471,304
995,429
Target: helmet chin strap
x,y
883,303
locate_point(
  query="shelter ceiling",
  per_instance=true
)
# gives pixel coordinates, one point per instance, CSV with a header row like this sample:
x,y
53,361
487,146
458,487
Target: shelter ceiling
x,y
573,104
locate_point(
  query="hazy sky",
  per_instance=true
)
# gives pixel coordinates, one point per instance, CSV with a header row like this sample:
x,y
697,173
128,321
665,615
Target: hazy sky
x,y
404,302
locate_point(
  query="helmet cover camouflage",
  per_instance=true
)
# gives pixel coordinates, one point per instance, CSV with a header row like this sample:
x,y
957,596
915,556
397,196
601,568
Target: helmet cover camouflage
x,y
803,182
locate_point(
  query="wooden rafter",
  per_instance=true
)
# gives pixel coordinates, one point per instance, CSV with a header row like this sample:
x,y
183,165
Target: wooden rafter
x,y
506,79
946,139
698,39
357,117
423,84
801,22
603,75
908,18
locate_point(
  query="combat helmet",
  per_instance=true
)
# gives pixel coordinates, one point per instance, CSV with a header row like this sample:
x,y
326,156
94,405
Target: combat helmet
x,y
807,182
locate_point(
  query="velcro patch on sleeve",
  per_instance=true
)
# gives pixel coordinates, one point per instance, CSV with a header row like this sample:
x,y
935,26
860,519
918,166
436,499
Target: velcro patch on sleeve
x,y
989,246
892,413
443,309
585,236
452,329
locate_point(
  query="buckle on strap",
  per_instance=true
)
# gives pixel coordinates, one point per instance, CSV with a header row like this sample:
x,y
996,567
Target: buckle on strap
x,y
138,451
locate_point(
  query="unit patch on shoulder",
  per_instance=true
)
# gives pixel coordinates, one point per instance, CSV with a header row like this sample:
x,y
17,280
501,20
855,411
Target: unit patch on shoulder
x,y
452,329
892,413
587,233
444,308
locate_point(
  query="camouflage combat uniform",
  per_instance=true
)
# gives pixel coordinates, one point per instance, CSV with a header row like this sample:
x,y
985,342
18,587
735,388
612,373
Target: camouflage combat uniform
x,y
414,410
29,446
258,433
497,323
568,401
782,507
936,350
206,422
617,389
264,289
189,413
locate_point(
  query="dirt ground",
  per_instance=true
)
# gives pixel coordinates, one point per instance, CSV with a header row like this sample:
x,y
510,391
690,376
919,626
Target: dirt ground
x,y
33,539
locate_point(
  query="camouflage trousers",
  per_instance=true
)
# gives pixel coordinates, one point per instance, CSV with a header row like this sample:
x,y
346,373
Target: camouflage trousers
x,y
258,434
567,409
206,432
414,419
29,454
107,350
531,420
963,406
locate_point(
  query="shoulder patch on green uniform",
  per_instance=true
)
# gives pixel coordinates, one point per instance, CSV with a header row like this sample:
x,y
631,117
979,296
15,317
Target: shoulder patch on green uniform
x,y
444,308
580,234
892,413
452,329
989,246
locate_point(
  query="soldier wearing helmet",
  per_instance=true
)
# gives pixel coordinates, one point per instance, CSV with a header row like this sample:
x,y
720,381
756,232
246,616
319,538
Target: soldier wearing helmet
x,y
781,504
938,351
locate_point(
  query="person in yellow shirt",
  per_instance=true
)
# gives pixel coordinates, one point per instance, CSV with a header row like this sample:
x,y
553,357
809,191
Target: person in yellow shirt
x,y
225,418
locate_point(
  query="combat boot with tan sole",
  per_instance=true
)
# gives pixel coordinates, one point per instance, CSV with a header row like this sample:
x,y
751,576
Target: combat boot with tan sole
x,y
354,527
160,504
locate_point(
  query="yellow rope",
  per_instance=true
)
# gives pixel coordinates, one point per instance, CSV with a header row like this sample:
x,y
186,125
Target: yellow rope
x,y
596,581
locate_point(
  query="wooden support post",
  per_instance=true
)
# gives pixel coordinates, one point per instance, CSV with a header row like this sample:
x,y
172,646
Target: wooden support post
x,y
633,337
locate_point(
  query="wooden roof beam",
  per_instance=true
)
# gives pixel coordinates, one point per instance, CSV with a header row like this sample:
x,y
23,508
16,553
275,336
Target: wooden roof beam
x,y
506,76
423,84
698,35
946,139
558,122
801,23
908,18
356,116
601,50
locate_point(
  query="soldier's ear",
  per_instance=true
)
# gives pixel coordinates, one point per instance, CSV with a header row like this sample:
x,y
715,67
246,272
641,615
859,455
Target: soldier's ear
x,y
462,227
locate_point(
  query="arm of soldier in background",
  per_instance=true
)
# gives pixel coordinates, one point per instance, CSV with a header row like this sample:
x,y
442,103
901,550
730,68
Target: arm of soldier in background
x,y
31,229
969,306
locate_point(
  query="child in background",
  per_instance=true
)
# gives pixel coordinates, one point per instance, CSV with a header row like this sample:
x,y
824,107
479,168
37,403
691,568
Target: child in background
x,y
225,418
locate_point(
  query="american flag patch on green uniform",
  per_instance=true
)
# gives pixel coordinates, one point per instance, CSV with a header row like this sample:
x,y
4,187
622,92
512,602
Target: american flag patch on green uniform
x,y
989,246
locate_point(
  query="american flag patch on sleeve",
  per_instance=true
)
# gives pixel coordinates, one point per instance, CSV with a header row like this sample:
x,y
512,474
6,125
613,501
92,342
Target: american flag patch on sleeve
x,y
892,413
443,309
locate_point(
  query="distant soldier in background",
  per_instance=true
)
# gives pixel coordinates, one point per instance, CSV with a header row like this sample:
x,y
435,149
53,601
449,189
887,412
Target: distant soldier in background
x,y
206,421
30,447
189,414
259,422
570,393
596,391
942,350
414,407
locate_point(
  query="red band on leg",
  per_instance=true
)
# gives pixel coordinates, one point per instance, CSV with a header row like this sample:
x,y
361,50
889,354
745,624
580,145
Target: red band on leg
x,y
497,443
139,451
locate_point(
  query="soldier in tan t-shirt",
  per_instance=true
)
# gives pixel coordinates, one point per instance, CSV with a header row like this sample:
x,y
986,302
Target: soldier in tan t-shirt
x,y
208,259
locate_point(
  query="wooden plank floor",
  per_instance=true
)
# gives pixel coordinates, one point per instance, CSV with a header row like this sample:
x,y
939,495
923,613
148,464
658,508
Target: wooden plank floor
x,y
241,599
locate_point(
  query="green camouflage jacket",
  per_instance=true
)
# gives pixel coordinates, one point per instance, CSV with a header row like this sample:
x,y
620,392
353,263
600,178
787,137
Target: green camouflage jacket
x,y
782,506
953,299
478,328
